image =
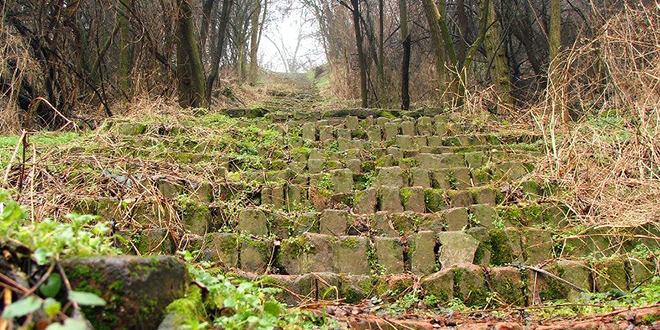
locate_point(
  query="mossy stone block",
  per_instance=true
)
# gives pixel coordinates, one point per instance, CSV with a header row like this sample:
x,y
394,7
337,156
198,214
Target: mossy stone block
x,y
222,247
470,285
365,201
421,249
252,221
334,222
456,248
439,284
256,255
392,176
456,219
389,254
390,199
507,283
350,256
460,198
610,275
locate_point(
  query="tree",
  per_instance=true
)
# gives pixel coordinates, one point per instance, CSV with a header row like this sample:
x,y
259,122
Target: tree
x,y
405,63
362,60
190,73
217,53
255,38
495,51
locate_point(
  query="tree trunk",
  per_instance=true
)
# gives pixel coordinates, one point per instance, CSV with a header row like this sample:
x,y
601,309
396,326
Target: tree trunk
x,y
461,50
254,42
189,64
124,48
380,70
207,9
219,47
500,69
405,64
555,29
439,49
362,61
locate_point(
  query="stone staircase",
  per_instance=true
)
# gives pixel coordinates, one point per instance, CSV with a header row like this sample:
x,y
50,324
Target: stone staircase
x,y
351,204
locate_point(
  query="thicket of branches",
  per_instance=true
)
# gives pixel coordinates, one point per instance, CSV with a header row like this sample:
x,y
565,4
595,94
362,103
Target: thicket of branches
x,y
85,58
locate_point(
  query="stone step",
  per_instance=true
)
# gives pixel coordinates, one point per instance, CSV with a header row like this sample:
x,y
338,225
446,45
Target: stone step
x,y
472,284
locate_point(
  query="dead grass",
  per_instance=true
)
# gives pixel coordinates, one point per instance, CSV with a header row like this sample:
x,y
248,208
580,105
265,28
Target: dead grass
x,y
608,161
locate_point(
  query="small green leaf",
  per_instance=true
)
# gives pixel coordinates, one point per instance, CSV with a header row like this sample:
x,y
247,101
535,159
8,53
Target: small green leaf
x,y
273,308
69,324
52,286
41,256
22,307
229,302
52,307
86,298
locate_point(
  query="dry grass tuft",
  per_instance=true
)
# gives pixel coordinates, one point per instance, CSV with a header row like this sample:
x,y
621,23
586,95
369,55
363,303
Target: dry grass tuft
x,y
608,162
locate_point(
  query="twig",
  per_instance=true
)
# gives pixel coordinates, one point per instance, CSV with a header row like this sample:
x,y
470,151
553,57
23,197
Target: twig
x,y
13,157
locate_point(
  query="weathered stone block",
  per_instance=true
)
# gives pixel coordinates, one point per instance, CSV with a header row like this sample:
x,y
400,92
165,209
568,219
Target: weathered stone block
x,y
155,241
456,248
390,176
476,159
389,254
438,161
374,133
538,245
390,199
295,195
484,195
222,247
350,255
422,252
278,197
408,128
425,126
460,198
195,218
342,180
334,222
413,199
405,142
307,253
420,141
395,152
351,122
390,131
365,201
309,131
609,275
420,177
137,288
256,255
456,219
483,215
354,165
510,171
169,189
440,284
442,179
470,285
505,246
355,288
435,200
507,282
461,178
252,221
577,273
381,224
315,165
482,256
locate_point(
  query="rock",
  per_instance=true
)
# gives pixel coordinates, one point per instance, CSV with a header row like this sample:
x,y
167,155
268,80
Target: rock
x,y
334,222
440,284
390,130
507,282
137,290
252,221
389,254
577,273
309,131
422,252
456,219
456,248
610,275
222,247
538,245
365,201
413,199
349,255
408,128
483,215
470,285
374,133
391,177
155,241
342,180
460,198
390,200
307,253
420,177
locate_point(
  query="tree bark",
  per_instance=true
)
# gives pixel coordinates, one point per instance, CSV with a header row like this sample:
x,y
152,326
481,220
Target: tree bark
x,y
189,63
362,61
255,36
380,70
124,47
500,70
219,48
207,9
405,63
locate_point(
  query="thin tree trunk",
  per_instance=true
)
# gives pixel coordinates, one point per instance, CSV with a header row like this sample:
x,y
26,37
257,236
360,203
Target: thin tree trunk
x,y
207,9
362,61
219,48
189,64
462,28
500,70
380,70
254,42
124,47
405,64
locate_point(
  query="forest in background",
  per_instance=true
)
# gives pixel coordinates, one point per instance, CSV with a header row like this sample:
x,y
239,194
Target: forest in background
x,y
87,59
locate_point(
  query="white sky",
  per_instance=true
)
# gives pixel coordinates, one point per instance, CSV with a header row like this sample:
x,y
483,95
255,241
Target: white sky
x,y
284,27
